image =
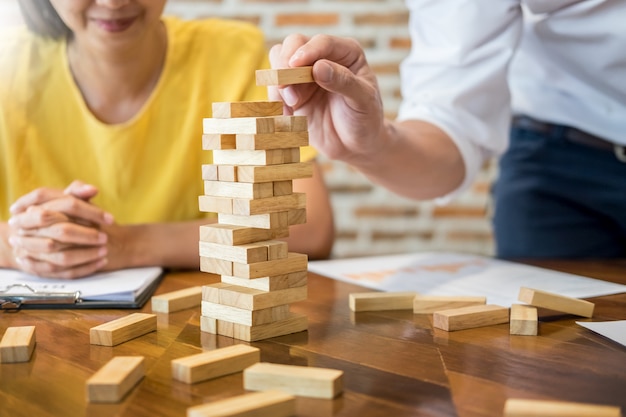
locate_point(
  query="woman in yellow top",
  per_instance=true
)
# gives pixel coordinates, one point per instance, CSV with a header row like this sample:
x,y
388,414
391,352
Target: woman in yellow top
x,y
101,108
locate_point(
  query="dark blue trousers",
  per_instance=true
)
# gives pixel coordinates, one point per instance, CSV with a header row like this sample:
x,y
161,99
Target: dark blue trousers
x,y
558,199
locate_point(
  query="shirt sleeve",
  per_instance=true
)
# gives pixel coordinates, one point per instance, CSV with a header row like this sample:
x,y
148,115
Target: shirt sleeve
x,y
456,73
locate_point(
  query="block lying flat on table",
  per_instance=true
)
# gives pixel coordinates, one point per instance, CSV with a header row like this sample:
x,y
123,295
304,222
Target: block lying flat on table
x,y
377,301
524,320
255,404
540,408
18,344
297,380
115,379
224,110
428,304
285,76
214,363
177,300
123,329
470,317
556,302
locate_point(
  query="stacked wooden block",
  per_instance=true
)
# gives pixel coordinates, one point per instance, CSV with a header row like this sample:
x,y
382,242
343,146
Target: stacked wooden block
x,y
256,157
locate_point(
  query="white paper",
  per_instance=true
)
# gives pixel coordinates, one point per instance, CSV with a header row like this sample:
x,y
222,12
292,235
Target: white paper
x,y
614,330
121,285
447,273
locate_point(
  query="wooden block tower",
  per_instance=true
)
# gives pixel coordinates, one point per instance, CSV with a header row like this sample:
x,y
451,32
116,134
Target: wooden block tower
x,y
256,156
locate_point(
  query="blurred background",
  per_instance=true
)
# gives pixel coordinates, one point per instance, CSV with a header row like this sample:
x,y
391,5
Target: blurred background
x,y
369,219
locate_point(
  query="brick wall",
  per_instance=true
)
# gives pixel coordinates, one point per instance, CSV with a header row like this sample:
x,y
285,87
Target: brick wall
x,y
369,219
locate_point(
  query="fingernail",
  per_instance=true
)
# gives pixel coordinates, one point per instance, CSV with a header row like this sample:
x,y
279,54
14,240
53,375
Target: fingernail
x,y
13,208
13,241
12,221
103,251
108,218
102,237
290,96
324,72
20,261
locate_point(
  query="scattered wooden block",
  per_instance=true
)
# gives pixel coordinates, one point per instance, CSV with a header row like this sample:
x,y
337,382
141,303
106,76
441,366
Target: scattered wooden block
x,y
470,317
275,172
285,76
214,363
276,140
523,320
377,301
260,157
428,304
256,404
297,380
238,125
18,344
294,262
123,329
115,379
247,109
556,302
177,300
242,316
540,408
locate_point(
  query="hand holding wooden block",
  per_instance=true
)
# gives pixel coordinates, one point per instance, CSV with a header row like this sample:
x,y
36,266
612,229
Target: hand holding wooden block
x,y
285,76
115,379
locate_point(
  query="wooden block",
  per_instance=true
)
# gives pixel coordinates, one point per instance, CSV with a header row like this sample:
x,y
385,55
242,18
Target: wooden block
x,y
377,301
294,262
294,324
210,204
216,141
123,329
238,125
216,266
250,298
297,216
273,283
208,325
470,317
243,316
276,249
304,381
247,109
215,363
290,124
228,234
276,140
210,172
273,221
555,302
274,172
260,157
177,300
227,173
115,379
523,320
256,404
285,76
428,304
246,253
17,344
540,408
249,207
238,189
282,187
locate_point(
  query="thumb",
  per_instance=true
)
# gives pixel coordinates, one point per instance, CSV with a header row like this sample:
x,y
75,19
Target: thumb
x,y
338,79
81,190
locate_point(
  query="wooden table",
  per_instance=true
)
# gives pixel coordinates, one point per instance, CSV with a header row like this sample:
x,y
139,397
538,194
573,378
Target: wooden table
x,y
395,363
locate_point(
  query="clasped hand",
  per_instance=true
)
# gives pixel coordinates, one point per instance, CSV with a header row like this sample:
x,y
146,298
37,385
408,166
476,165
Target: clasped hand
x,y
59,233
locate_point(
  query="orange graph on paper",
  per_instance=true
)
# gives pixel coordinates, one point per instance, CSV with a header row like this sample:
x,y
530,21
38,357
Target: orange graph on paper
x,y
451,268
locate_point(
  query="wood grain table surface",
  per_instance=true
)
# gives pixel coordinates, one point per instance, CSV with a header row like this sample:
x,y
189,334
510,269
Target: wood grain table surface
x,y
394,362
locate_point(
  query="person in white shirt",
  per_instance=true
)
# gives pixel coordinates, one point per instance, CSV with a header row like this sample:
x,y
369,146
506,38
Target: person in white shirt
x,y
540,84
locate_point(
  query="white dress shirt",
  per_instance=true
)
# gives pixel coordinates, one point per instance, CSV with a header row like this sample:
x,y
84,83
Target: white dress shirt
x,y
474,63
